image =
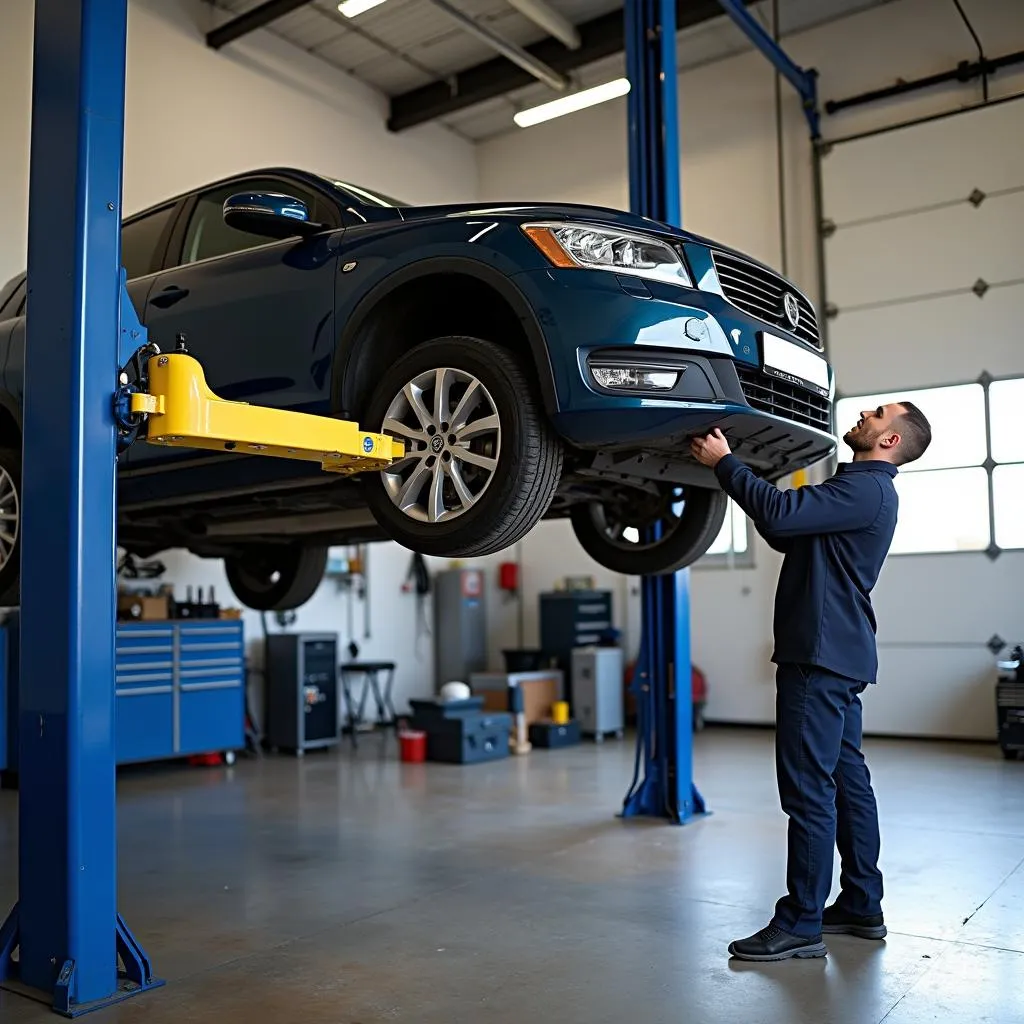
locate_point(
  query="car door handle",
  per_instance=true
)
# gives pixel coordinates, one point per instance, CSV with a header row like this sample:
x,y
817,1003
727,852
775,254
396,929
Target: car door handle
x,y
169,296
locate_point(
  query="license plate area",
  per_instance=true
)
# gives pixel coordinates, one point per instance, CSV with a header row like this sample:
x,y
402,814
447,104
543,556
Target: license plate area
x,y
788,361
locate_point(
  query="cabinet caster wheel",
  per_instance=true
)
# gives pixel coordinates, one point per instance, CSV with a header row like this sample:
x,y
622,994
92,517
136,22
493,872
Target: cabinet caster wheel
x,y
229,758
619,734
599,737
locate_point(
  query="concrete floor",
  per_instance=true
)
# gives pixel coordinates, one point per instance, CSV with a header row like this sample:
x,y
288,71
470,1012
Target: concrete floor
x,y
353,890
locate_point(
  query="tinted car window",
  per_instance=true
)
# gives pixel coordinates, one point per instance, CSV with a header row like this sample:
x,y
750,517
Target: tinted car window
x,y
207,235
140,239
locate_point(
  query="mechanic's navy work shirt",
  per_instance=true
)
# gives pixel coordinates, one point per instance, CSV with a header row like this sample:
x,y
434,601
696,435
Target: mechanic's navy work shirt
x,y
835,537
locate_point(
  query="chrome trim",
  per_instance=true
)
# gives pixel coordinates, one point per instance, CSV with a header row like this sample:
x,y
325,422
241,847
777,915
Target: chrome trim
x,y
144,691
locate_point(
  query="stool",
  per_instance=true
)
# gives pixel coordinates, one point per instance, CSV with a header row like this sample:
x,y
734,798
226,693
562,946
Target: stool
x,y
371,673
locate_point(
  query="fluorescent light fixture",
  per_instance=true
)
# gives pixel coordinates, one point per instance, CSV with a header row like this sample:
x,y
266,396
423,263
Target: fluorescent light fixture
x,y
353,8
567,104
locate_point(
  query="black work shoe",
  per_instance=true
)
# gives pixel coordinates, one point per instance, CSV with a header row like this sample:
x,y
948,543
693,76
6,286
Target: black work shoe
x,y
836,921
772,943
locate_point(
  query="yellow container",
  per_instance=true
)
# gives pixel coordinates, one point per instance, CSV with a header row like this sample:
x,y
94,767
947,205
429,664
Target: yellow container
x,y
560,712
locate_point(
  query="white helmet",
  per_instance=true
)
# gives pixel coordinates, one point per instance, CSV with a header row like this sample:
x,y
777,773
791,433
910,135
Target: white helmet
x,y
455,691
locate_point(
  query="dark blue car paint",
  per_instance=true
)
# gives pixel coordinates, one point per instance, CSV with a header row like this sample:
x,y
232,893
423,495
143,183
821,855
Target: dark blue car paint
x,y
279,324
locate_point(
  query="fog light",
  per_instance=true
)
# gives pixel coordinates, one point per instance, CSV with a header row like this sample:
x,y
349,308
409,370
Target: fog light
x,y
635,378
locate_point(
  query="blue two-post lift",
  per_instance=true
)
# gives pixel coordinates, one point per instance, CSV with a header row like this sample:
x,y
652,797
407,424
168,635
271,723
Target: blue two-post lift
x,y
663,783
74,950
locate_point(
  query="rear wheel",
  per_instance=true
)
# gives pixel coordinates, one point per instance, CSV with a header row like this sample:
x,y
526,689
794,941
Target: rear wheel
x,y
275,579
481,462
650,535
10,527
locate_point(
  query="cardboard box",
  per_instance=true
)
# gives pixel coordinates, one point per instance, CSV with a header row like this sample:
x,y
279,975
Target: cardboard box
x,y
143,607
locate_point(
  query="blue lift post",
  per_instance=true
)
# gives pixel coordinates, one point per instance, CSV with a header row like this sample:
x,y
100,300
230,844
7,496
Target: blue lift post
x,y
74,951
663,778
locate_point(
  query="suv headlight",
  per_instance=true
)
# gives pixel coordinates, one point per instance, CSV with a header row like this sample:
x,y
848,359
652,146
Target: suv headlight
x,y
600,248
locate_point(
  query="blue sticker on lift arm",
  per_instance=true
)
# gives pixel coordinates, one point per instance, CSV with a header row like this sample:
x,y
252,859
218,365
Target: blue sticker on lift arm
x,y
367,445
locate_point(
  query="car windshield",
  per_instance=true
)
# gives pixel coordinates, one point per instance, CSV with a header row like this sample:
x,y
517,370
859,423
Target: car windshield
x,y
365,196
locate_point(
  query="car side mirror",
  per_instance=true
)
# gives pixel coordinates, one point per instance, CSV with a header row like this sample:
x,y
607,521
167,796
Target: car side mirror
x,y
270,214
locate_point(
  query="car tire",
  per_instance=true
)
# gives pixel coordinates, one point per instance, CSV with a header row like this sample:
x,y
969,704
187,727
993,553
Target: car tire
x,y
507,474
10,527
277,578
688,538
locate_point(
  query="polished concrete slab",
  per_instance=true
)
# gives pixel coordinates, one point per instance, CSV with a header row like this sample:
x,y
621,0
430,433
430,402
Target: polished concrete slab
x,y
349,889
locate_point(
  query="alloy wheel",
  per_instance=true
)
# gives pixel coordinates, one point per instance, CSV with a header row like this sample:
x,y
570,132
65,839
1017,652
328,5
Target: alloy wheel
x,y
449,424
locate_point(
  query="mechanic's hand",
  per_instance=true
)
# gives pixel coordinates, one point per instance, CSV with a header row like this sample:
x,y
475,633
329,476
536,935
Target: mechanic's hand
x,y
710,450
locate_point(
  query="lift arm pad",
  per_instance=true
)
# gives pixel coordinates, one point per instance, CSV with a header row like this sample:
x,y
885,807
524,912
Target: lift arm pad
x,y
183,412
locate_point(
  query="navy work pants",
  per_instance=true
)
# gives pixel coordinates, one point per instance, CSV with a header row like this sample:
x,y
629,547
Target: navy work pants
x,y
825,789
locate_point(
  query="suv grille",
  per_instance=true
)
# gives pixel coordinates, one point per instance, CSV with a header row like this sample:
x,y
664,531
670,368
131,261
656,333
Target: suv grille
x,y
790,401
760,293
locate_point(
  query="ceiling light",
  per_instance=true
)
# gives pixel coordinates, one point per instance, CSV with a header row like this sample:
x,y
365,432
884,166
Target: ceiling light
x,y
353,8
567,104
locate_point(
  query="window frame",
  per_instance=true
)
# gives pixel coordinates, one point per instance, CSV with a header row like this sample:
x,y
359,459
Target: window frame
x,y
163,239
986,380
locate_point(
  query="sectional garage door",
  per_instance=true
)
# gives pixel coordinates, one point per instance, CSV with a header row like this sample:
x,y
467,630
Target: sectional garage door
x,y
924,270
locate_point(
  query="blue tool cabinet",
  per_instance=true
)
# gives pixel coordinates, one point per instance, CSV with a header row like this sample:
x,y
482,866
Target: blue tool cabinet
x,y
180,688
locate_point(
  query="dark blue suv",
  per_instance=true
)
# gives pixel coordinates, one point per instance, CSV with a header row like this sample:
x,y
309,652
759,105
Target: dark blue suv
x,y
537,360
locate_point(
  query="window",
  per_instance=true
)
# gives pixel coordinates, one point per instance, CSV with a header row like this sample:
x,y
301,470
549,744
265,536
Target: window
x,y
140,239
947,500
732,545
207,234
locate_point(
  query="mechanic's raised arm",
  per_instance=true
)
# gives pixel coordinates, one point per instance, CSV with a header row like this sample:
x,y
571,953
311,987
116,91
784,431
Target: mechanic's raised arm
x,y
843,503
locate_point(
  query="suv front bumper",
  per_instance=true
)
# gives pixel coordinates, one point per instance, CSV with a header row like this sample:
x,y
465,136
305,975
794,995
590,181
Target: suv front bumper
x,y
595,317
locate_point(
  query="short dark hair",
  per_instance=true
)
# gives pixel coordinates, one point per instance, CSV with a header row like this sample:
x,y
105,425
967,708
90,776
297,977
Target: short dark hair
x,y
915,434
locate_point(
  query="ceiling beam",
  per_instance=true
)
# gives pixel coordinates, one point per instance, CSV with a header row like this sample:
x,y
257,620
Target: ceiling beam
x,y
258,17
601,37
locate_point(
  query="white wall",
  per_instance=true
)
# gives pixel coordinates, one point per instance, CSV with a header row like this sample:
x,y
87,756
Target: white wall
x,y
729,186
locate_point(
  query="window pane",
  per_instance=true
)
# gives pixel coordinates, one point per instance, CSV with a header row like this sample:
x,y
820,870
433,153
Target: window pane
x,y
1006,398
957,416
946,510
139,241
1008,494
733,535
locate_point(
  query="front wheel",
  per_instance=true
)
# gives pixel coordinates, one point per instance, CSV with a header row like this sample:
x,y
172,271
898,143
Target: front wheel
x,y
276,578
650,537
481,462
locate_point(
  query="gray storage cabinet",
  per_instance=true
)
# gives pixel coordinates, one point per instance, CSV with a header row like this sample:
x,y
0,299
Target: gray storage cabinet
x,y
597,690
460,626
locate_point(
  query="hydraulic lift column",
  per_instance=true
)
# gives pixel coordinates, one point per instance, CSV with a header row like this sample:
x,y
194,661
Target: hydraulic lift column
x,y
66,927
663,780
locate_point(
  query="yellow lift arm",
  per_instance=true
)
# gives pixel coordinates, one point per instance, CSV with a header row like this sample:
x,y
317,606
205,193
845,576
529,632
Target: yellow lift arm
x,y
181,411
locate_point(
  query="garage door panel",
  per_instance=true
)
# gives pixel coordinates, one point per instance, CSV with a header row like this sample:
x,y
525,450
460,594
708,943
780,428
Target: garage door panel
x,y
920,694
926,254
936,341
937,162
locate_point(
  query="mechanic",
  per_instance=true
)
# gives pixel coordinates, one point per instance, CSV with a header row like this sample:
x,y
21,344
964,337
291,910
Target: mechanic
x,y
835,537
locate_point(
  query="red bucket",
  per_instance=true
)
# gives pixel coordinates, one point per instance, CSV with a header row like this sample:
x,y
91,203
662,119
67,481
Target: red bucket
x,y
413,746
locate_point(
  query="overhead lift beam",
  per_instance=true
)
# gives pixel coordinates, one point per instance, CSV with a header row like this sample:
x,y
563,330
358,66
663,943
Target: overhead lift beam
x,y
600,37
804,81
662,783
